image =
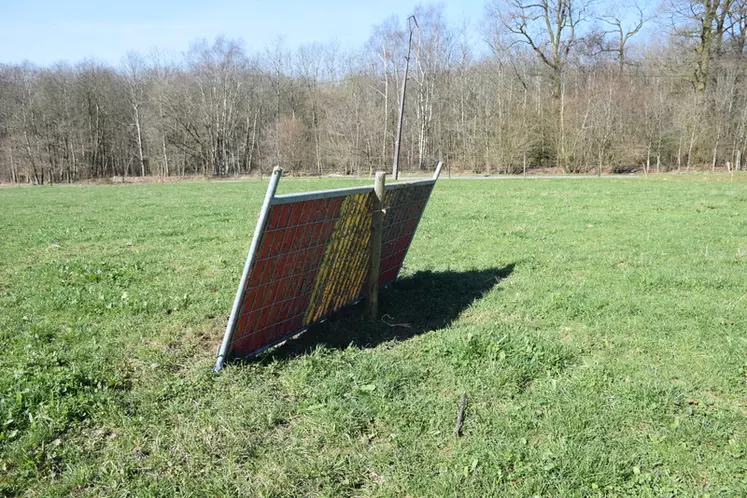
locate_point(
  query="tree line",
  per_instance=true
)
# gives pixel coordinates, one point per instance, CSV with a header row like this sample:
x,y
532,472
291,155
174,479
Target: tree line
x,y
565,84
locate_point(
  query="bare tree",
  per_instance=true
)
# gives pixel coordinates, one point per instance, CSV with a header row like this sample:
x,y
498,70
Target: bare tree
x,y
134,69
551,28
701,24
621,24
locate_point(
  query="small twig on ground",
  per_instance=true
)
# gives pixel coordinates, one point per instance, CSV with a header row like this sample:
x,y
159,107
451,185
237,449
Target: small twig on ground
x,y
404,325
737,301
460,415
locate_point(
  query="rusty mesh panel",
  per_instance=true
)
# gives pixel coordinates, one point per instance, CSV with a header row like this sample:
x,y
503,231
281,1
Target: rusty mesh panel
x,y
312,260
404,208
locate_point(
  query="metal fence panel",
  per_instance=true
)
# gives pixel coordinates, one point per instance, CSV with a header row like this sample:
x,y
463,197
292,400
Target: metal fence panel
x,y
405,204
310,256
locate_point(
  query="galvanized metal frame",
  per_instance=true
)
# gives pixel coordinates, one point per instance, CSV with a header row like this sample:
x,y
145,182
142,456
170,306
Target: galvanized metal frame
x,y
319,194
426,181
261,221
271,199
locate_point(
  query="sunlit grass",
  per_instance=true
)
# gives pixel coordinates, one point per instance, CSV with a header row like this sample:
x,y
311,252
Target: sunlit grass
x,y
597,327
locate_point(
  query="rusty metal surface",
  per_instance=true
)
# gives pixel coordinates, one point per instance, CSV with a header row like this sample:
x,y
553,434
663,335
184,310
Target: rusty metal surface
x,y
311,258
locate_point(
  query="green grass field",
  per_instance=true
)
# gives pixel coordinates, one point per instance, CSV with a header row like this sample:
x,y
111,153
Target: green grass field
x,y
598,328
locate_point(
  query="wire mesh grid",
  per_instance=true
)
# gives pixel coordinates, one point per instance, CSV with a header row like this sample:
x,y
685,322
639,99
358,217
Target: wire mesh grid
x,y
312,257
311,260
404,208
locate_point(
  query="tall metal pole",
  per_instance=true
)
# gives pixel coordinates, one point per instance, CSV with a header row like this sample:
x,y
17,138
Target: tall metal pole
x,y
437,173
377,230
225,348
395,168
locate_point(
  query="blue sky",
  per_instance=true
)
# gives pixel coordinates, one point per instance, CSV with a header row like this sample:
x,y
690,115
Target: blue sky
x,y
47,31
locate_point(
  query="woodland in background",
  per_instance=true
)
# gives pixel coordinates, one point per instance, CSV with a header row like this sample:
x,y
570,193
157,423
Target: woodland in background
x,y
568,85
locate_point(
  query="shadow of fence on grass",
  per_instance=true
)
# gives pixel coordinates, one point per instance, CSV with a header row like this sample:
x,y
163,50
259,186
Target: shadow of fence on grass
x,y
425,301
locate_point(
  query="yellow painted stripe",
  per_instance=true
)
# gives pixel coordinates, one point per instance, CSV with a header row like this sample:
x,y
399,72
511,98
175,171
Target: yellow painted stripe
x,y
344,264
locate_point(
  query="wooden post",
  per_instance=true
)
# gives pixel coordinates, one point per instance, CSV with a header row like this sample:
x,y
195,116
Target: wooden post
x,y
377,229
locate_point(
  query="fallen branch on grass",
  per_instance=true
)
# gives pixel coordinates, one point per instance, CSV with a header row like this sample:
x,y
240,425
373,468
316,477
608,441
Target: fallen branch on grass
x,y
460,415
403,325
